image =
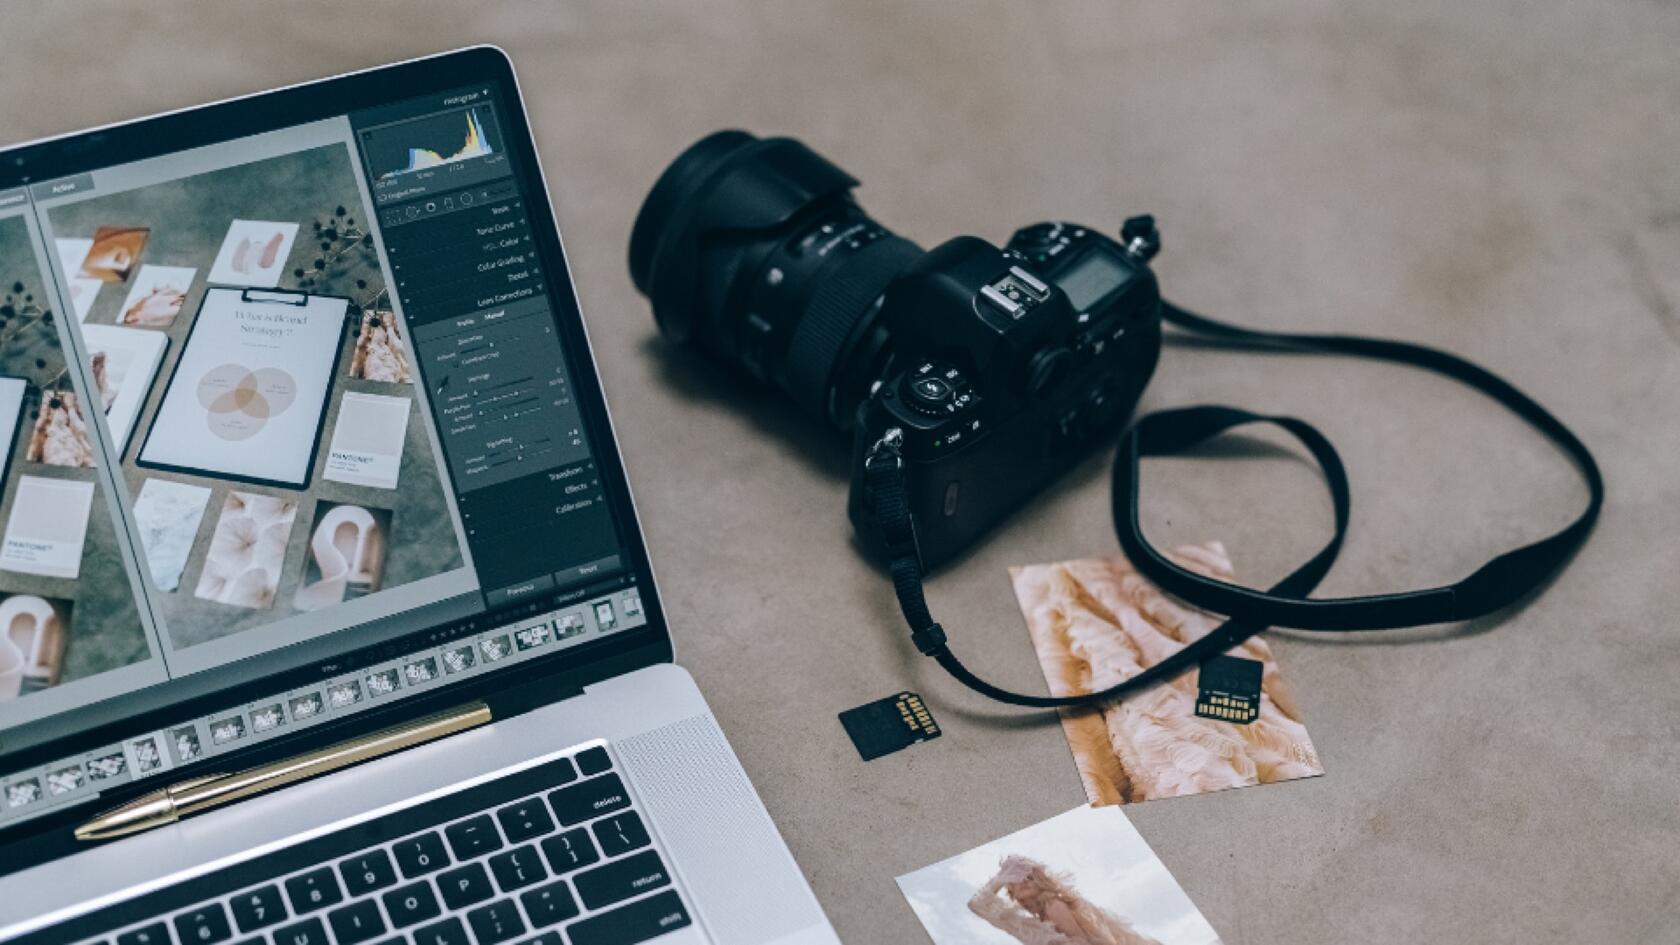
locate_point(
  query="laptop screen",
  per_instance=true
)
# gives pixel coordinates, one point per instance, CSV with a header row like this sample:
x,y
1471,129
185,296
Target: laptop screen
x,y
290,415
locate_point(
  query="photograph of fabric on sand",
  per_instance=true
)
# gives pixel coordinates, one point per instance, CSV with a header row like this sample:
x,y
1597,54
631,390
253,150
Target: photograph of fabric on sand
x,y
1097,622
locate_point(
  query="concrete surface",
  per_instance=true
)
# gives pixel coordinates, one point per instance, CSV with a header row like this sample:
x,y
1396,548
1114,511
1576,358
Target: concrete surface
x,y
1499,179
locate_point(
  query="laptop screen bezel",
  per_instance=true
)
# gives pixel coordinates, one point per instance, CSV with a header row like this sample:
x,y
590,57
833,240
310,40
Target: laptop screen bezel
x,y
508,691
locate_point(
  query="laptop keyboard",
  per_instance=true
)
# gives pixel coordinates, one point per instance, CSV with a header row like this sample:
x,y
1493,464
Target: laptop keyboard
x,y
555,854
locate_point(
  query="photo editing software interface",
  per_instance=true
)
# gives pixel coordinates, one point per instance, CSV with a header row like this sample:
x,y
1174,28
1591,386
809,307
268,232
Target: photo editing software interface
x,y
291,401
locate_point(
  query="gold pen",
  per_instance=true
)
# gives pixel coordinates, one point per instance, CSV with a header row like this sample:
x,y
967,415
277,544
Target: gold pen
x,y
200,794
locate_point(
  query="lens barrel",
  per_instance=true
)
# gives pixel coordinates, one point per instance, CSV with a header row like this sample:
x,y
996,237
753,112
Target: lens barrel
x,y
753,250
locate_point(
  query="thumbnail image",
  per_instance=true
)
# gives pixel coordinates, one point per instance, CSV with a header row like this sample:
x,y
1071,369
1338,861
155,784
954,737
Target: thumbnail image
x,y
107,766
253,253
148,757
167,515
346,554
1085,877
33,632
65,779
60,436
187,745
1097,622
113,252
306,706
247,550
156,296
379,354
267,718
123,361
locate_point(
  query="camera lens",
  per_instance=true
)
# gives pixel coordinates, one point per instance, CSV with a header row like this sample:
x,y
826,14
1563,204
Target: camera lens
x,y
753,250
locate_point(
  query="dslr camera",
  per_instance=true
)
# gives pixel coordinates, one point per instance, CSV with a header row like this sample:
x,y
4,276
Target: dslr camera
x,y
987,371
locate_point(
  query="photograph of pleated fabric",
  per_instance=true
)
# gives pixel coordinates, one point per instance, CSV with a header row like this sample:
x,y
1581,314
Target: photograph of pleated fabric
x,y
1097,622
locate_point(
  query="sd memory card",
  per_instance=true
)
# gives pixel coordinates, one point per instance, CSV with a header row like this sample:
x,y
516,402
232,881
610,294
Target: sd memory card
x,y
888,725
1229,689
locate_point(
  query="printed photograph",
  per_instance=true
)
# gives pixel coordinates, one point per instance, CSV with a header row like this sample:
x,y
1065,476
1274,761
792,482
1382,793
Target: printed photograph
x,y
33,631
124,363
247,550
114,252
1085,877
379,354
346,554
253,253
156,296
1097,622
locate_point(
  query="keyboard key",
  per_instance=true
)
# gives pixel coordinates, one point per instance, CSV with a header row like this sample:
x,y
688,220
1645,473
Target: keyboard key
x,y
308,932
409,904
518,868
636,922
621,879
356,923
203,926
258,908
465,885
496,922
589,799
473,836
569,850
155,934
524,820
367,872
549,904
448,932
620,833
315,889
420,855
547,938
593,761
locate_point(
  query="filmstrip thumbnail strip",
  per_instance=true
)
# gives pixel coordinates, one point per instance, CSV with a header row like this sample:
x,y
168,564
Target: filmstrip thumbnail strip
x,y
37,790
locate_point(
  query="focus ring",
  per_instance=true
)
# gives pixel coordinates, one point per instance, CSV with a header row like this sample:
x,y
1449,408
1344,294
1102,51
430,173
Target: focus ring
x,y
836,305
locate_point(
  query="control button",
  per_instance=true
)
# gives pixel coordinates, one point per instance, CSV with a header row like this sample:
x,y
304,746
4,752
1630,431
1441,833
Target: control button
x,y
931,390
1047,369
507,595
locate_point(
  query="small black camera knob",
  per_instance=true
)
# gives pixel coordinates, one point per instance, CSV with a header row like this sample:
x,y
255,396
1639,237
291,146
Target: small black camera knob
x,y
1047,369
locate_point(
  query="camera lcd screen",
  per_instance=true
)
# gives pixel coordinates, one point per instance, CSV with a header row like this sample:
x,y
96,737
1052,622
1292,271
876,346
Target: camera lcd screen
x,y
1092,276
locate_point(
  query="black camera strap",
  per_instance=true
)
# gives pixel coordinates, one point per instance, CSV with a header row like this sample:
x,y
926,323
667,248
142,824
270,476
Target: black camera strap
x,y
1497,584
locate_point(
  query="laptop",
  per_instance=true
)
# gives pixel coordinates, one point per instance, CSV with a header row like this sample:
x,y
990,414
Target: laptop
x,y
308,455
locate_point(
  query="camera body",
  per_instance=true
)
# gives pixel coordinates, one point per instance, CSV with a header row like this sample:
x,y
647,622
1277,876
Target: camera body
x,y
992,371
1009,366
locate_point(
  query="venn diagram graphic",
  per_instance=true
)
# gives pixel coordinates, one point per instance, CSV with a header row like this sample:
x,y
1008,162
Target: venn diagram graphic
x,y
241,401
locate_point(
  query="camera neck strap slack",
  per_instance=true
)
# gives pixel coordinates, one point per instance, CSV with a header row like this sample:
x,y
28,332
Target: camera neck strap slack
x,y
1494,586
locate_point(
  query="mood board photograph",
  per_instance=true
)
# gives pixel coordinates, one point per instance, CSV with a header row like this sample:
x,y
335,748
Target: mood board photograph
x,y
259,391
67,611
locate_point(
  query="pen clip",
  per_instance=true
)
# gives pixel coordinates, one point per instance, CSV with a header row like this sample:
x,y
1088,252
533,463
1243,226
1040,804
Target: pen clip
x,y
275,297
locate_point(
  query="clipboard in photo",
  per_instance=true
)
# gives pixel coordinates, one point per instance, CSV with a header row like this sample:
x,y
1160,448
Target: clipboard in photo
x,y
248,395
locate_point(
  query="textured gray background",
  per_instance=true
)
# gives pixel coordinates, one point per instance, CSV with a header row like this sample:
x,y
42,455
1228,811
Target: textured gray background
x,y
1499,179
